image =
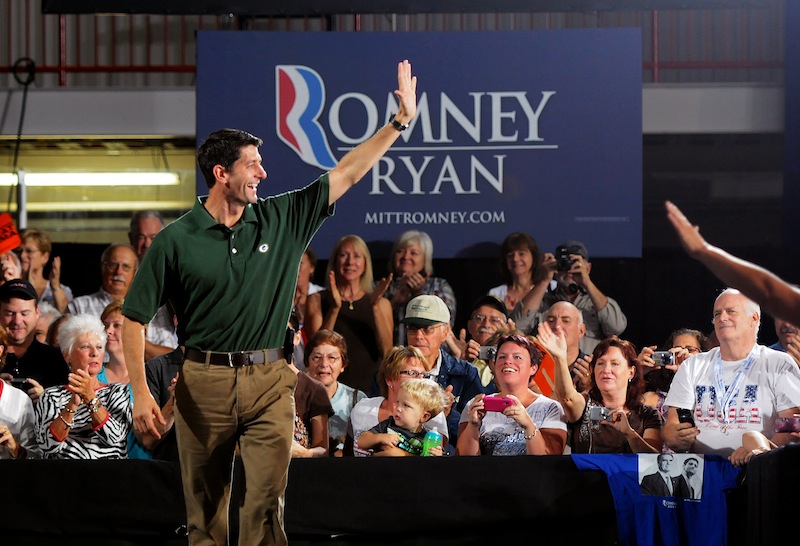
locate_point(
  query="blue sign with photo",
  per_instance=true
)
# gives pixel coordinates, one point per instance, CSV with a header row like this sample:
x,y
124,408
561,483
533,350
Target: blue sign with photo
x,y
535,131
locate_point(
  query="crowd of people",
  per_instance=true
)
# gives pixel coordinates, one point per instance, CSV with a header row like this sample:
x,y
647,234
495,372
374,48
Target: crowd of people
x,y
175,357
606,396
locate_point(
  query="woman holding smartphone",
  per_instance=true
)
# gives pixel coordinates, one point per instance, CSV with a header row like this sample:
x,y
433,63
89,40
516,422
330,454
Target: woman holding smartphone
x,y
515,420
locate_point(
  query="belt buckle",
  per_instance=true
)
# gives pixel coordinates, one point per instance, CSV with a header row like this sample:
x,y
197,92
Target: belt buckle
x,y
246,359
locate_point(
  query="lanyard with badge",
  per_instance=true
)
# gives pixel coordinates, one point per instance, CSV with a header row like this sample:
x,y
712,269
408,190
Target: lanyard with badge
x,y
726,397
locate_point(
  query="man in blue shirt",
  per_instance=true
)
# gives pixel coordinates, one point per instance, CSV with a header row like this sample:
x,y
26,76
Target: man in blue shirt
x,y
427,321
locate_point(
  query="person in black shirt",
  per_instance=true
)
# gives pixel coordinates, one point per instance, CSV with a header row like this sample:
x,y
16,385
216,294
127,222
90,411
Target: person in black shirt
x,y
27,358
162,373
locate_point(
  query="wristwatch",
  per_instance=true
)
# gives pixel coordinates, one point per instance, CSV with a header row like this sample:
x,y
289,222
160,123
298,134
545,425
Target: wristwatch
x,y
397,125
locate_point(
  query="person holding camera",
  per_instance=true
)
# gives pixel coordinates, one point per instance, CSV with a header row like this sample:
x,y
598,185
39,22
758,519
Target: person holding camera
x,y
609,417
659,367
41,365
570,268
489,315
515,420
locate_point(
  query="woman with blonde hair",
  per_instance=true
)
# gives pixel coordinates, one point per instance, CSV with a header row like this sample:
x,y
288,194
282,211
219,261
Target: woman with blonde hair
x,y
351,306
401,364
35,253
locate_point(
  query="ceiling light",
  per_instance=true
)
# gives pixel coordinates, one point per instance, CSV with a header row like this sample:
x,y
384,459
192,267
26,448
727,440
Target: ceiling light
x,y
93,179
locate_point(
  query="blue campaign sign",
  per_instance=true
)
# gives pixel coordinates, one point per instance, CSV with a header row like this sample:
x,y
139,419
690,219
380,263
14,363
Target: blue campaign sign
x,y
536,131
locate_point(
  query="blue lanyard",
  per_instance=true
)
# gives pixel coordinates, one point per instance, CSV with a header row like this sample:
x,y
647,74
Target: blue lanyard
x,y
726,397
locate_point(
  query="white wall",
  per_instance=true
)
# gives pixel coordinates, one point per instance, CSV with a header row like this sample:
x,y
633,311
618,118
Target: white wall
x,y
667,108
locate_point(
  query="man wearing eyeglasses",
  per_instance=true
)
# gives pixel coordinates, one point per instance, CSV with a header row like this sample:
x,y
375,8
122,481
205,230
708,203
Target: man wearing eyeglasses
x,y
489,315
427,321
118,265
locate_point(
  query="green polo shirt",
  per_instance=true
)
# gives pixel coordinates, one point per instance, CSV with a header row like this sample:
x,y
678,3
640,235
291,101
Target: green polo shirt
x,y
232,288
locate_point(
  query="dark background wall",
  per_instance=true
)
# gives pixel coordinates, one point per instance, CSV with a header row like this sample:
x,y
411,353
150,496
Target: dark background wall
x,y
659,292
731,185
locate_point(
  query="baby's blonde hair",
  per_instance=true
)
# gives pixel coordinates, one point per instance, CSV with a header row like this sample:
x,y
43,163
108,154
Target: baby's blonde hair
x,y
428,394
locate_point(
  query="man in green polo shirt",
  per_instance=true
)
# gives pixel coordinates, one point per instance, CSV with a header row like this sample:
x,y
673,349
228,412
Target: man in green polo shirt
x,y
229,267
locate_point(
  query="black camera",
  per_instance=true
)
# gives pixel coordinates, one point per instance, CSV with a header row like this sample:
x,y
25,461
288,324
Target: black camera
x,y
563,260
21,383
685,416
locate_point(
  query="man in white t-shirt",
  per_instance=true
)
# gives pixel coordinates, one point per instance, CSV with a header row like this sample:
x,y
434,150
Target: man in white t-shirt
x,y
734,391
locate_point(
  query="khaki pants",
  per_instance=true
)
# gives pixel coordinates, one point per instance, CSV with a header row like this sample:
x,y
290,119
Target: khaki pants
x,y
217,406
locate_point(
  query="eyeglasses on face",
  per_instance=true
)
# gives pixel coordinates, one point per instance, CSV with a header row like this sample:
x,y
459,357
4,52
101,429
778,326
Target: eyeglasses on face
x,y
333,359
427,330
415,374
691,348
112,266
497,321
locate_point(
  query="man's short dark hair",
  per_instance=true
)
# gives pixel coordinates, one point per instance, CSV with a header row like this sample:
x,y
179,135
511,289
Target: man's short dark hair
x,y
695,459
223,147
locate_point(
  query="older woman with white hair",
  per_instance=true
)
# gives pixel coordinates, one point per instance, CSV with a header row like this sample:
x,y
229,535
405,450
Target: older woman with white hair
x,y
411,265
85,419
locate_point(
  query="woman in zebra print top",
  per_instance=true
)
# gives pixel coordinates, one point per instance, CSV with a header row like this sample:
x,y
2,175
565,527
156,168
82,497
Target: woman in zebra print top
x,y
85,419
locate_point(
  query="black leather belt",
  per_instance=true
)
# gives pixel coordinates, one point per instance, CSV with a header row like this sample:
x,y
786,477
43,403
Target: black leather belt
x,y
234,360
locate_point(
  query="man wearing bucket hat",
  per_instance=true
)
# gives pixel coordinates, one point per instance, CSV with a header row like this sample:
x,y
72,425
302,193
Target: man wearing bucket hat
x,y
427,321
